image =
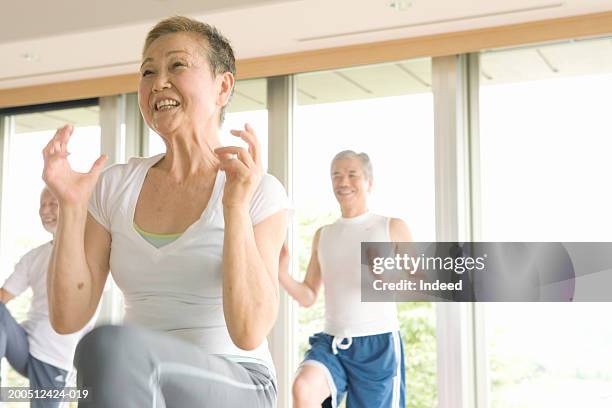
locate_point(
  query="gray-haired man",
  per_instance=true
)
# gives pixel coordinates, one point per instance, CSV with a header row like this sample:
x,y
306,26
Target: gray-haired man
x,y
33,348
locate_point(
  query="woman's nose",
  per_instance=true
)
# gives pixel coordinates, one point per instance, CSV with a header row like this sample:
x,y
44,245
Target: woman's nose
x,y
161,83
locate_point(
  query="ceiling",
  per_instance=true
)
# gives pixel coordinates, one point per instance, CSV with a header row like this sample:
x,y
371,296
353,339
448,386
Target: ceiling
x,y
58,17
569,58
532,63
49,120
73,39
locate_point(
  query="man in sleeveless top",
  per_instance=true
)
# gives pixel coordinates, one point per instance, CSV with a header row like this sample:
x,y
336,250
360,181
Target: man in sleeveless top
x,y
360,352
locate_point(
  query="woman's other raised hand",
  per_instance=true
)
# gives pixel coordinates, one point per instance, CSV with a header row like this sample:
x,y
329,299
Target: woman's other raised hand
x,y
69,186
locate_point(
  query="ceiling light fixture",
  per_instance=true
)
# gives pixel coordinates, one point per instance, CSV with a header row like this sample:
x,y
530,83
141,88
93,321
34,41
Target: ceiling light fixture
x,y
30,57
400,5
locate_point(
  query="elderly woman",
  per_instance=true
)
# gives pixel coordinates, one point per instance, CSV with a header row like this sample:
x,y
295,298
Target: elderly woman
x,y
192,237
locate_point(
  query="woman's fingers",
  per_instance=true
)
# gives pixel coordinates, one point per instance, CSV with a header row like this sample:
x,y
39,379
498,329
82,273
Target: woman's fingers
x,y
98,166
56,147
233,167
227,153
236,161
249,136
59,143
63,135
241,167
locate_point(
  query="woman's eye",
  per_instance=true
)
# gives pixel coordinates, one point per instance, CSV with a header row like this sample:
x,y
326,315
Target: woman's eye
x,y
178,64
146,72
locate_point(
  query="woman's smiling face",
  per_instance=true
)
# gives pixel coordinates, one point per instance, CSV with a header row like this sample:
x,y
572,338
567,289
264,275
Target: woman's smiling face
x,y
178,92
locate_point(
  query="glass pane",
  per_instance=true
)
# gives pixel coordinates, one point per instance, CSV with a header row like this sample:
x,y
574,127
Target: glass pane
x,y
545,145
22,183
386,111
549,355
248,105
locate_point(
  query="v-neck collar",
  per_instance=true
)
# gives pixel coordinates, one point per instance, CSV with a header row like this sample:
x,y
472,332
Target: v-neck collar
x,y
204,219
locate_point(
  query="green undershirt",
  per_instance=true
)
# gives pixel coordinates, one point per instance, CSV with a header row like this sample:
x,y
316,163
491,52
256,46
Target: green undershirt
x,y
157,240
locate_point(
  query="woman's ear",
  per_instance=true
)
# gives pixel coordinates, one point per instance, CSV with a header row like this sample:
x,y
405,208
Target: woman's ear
x,y
226,85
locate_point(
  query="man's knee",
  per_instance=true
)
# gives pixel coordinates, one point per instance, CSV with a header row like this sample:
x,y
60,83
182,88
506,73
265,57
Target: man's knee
x,y
308,389
300,389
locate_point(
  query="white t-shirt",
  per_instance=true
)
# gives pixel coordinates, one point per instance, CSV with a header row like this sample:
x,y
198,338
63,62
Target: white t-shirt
x,y
45,344
176,288
339,255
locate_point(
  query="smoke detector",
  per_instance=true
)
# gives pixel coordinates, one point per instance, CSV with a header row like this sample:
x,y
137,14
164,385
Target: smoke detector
x,y
29,57
400,5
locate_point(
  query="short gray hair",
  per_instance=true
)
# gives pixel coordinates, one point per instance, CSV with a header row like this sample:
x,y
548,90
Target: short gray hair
x,y
364,159
46,189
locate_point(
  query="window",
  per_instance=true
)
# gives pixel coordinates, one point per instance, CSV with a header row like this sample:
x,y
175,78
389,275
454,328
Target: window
x,y
545,142
386,111
545,137
21,230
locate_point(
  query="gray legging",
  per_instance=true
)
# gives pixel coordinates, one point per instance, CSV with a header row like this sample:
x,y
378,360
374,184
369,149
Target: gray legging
x,y
130,367
15,347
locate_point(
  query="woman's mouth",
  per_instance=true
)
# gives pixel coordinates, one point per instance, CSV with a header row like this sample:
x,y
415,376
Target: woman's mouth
x,y
166,105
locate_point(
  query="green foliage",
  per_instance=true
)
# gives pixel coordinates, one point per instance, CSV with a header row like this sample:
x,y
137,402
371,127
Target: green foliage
x,y
418,328
311,320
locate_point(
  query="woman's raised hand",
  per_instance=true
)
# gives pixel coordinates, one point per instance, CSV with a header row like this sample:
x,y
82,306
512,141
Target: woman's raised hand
x,y
242,169
68,186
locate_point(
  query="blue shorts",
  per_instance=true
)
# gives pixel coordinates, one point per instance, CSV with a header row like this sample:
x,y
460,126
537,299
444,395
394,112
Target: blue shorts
x,y
370,369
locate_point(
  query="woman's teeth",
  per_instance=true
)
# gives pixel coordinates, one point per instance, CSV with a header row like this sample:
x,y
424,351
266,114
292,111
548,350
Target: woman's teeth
x,y
166,104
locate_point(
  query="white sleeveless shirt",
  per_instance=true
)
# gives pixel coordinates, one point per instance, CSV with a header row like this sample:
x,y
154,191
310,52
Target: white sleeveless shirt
x,y
339,255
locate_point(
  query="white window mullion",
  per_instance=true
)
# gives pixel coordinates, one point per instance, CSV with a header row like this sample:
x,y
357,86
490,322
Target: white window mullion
x,y
454,327
478,358
4,140
280,112
112,143
136,131
5,127
111,119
